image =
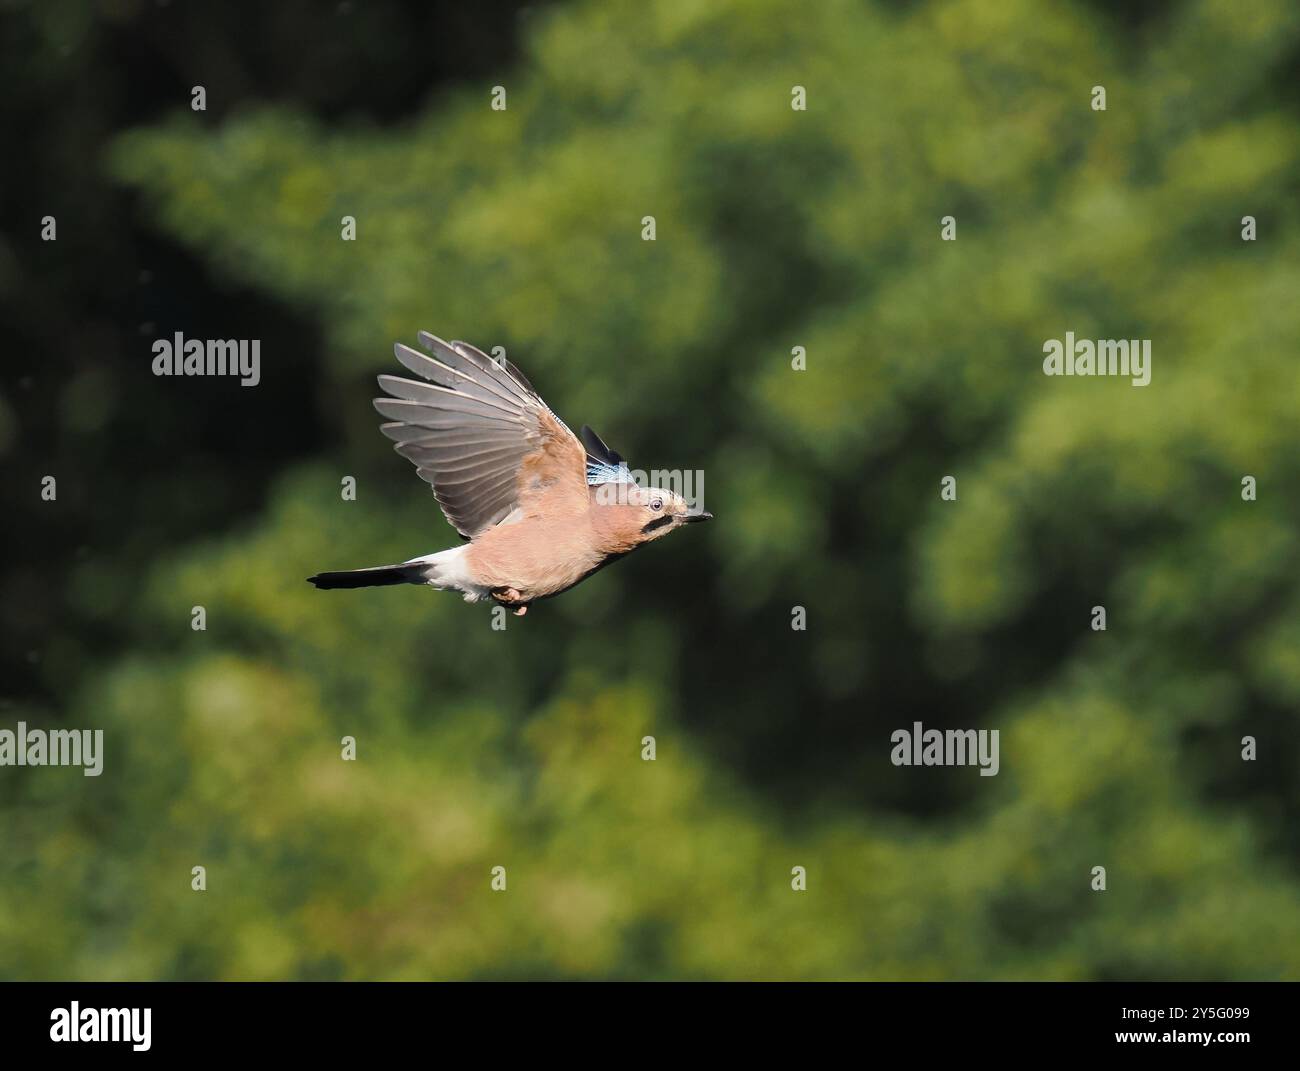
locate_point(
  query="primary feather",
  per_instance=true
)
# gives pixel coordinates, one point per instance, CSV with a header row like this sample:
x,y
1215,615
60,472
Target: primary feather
x,y
477,432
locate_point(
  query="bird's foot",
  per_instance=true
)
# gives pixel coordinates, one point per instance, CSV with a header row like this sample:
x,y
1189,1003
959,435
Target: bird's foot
x,y
513,598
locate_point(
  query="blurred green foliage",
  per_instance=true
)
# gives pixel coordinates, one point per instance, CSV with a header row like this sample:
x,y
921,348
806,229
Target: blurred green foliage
x,y
776,229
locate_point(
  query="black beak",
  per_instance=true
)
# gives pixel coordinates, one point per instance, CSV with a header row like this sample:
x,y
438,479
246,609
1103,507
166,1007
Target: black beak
x,y
697,515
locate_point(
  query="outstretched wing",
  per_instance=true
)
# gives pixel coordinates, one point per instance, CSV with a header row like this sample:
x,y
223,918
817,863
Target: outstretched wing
x,y
481,436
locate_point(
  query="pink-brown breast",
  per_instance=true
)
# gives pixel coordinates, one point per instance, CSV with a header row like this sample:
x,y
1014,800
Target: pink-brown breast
x,y
537,555
544,553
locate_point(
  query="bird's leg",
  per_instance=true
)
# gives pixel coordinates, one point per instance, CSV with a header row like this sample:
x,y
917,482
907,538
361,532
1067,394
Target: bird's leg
x,y
511,597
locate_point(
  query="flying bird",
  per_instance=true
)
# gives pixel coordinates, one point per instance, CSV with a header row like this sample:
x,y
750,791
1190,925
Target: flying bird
x,y
541,511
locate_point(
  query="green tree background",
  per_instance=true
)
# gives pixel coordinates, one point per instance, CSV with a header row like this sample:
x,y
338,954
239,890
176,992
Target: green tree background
x,y
776,229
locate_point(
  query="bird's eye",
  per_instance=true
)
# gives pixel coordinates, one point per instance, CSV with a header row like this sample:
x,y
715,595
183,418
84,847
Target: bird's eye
x,y
656,503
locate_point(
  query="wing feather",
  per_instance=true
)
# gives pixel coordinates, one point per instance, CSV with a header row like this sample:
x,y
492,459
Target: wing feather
x,y
480,435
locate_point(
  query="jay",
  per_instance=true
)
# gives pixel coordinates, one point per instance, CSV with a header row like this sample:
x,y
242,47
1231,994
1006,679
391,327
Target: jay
x,y
540,510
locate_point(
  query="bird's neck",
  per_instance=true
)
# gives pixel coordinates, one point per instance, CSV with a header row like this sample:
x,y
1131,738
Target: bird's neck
x,y
616,529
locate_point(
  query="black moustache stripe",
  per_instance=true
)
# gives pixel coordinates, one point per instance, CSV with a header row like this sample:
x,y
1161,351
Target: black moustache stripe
x,y
658,522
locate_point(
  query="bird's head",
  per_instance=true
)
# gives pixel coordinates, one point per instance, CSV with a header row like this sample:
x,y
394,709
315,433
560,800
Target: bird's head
x,y
637,515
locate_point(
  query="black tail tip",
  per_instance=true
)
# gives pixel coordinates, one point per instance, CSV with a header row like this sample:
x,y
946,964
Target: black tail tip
x,y
380,576
328,581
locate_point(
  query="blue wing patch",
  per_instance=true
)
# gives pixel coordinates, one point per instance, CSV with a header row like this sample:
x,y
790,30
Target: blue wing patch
x,y
603,472
603,464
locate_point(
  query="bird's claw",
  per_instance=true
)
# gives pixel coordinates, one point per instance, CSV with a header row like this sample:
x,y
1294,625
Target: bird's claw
x,y
511,597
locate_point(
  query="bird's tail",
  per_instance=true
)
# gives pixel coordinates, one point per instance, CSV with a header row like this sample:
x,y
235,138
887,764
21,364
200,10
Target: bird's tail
x,y
379,576
444,569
